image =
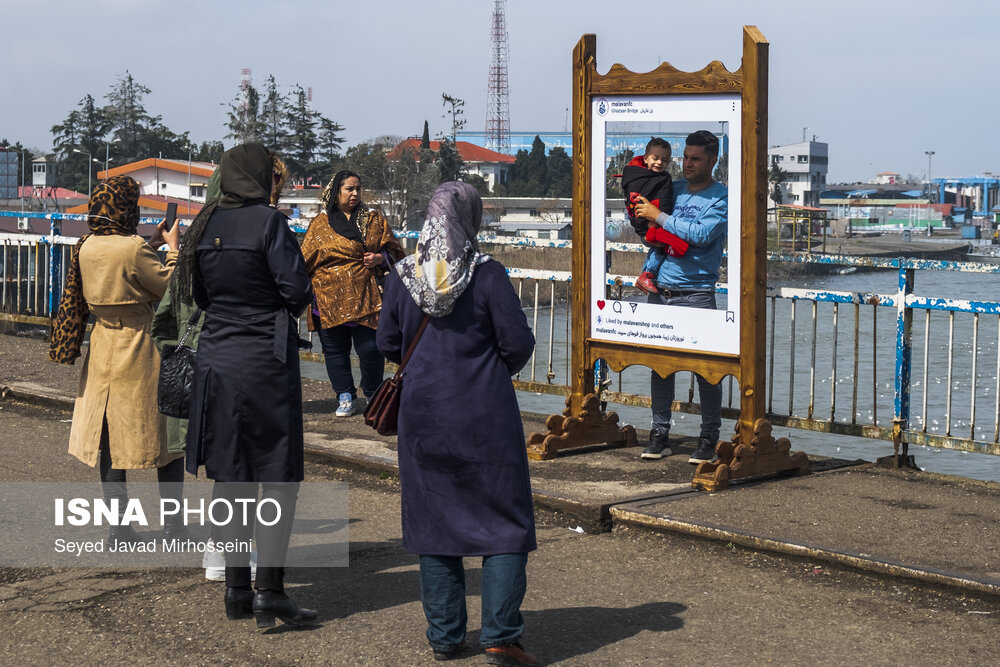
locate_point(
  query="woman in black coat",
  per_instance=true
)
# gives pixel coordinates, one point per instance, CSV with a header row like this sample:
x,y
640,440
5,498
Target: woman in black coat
x,y
463,468
242,264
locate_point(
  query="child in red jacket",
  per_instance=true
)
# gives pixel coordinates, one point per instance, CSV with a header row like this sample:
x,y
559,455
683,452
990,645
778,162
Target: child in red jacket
x,y
647,176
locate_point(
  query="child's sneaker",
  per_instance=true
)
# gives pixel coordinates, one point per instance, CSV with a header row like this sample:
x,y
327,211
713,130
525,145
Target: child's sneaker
x,y
647,282
346,408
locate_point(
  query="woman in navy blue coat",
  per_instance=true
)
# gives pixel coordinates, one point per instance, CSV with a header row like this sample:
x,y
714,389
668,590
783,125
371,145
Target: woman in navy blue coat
x,y
462,462
242,265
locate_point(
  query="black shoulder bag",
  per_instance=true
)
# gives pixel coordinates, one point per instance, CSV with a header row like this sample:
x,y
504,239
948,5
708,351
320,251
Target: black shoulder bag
x,y
173,392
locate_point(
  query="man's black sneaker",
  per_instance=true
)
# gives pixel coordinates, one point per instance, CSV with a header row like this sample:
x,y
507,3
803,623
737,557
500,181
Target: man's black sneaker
x,y
656,450
658,446
704,453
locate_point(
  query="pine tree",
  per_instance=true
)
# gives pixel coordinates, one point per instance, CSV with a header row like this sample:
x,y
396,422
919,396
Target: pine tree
x,y
330,140
425,140
245,123
560,173
272,117
127,116
83,130
536,173
449,163
300,123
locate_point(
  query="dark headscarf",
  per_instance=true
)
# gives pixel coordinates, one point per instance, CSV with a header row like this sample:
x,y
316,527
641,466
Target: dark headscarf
x,y
245,178
348,228
447,252
113,209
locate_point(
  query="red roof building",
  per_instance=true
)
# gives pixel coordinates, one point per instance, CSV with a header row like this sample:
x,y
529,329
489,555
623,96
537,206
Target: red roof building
x,y
178,180
493,166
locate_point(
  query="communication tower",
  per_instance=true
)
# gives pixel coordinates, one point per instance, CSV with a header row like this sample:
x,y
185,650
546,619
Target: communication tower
x,y
497,98
244,97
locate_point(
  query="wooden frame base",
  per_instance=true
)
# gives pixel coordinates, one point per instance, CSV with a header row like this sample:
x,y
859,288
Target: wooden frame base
x,y
764,455
590,426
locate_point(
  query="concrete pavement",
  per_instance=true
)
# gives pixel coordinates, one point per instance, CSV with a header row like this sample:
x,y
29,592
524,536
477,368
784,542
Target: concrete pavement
x,y
653,590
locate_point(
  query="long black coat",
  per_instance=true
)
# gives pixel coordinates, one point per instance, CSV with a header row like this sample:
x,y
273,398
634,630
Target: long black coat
x,y
246,409
463,466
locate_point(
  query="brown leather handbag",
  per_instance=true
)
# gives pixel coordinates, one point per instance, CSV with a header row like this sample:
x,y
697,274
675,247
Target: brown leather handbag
x,y
382,413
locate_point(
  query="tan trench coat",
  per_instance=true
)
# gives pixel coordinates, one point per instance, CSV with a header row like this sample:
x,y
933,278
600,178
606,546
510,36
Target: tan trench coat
x,y
122,280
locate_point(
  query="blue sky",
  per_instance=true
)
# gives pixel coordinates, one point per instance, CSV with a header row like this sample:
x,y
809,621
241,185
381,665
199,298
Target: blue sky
x,y
881,82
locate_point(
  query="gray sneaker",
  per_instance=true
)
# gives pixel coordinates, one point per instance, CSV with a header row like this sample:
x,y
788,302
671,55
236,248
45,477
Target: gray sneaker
x,y
658,446
704,453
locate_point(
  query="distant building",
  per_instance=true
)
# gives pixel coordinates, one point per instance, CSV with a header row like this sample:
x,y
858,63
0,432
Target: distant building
x,y
174,179
548,218
805,164
885,178
162,182
492,166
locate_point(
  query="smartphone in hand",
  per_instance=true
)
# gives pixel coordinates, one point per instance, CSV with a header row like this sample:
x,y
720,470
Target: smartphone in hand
x,y
171,216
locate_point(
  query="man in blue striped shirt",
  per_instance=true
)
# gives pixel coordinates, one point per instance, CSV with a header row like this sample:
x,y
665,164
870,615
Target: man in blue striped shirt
x,y
700,217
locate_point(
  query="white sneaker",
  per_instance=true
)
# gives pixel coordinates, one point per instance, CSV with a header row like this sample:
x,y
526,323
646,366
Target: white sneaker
x,y
346,408
214,563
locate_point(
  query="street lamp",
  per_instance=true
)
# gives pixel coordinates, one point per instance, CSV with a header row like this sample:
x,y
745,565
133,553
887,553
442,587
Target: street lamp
x,y
90,158
930,184
190,147
107,153
929,155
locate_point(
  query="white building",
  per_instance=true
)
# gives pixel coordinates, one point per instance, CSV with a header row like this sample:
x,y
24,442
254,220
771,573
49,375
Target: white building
x,y
162,182
805,164
173,179
885,178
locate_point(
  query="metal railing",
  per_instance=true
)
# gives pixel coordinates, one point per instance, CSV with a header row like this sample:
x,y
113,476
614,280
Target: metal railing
x,y
848,369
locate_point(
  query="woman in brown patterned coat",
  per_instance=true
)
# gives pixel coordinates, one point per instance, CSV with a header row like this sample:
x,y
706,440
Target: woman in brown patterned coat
x,y
348,249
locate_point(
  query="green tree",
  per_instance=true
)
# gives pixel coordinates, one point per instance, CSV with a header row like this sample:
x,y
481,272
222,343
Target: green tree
x,y
245,122
272,116
301,140
560,173
449,162
776,176
129,122
425,139
160,141
401,185
530,172
536,169
613,181
330,140
209,151
84,130
477,181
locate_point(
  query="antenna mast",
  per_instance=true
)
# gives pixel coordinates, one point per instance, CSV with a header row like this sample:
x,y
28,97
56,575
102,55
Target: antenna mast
x,y
497,98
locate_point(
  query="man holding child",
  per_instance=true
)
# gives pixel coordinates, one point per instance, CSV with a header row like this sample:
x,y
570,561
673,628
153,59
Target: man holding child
x,y
699,219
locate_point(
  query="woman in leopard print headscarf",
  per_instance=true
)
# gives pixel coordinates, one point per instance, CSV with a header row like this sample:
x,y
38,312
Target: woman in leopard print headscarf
x,y
116,276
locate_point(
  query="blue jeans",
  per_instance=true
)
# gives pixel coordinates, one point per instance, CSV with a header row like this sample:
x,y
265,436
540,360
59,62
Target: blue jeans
x,y
442,591
661,390
336,343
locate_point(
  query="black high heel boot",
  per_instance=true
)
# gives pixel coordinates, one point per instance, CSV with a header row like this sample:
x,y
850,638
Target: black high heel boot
x,y
122,534
268,604
239,602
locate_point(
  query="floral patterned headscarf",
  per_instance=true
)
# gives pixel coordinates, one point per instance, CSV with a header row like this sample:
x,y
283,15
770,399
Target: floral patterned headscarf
x,y
447,253
113,209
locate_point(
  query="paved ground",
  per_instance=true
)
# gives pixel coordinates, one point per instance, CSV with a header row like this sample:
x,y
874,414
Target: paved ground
x,y
630,596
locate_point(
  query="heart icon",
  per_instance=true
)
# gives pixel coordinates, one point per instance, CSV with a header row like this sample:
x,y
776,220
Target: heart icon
x,y
600,304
